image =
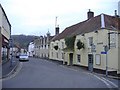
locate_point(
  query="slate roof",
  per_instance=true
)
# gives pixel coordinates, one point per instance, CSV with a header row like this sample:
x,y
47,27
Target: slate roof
x,y
93,24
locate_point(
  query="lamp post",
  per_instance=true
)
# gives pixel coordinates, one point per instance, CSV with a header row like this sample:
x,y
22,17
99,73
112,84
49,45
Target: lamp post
x,y
106,48
11,52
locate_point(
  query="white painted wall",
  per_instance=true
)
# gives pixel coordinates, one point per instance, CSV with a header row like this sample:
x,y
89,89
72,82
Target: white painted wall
x,y
100,39
31,51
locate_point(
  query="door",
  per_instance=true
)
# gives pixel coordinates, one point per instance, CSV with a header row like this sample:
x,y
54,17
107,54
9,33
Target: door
x,y
71,58
90,62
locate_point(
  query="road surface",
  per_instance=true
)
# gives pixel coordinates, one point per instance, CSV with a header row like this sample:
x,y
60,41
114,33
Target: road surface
x,y
41,73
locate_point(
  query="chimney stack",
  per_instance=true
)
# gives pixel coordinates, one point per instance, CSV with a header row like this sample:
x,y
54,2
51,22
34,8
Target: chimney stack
x,y
90,14
57,30
116,14
56,27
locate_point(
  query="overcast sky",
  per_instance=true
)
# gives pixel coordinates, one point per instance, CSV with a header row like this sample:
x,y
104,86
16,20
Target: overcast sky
x,y
36,17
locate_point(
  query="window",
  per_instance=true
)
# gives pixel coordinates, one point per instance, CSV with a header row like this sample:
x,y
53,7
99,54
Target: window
x,y
45,46
112,40
78,58
98,59
62,45
90,41
63,55
57,55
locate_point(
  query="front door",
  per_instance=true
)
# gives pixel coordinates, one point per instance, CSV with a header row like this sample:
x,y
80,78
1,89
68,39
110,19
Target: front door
x,y
90,62
71,58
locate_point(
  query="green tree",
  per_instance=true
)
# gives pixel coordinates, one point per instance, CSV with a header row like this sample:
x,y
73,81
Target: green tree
x,y
69,41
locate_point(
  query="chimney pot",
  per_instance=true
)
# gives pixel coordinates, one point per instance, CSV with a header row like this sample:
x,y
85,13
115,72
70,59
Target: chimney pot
x,y
57,30
90,14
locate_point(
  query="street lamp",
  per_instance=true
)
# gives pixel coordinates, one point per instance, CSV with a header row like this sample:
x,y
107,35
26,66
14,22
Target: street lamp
x,y
11,52
106,48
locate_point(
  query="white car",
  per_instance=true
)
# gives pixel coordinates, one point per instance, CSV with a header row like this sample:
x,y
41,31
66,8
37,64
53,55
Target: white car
x,y
23,57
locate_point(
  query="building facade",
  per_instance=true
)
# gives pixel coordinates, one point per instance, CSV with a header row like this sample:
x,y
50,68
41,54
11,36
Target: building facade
x,y
31,52
5,32
100,37
42,46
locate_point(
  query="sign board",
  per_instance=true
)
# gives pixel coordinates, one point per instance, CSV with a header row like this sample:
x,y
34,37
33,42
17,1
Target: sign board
x,y
93,48
113,40
103,52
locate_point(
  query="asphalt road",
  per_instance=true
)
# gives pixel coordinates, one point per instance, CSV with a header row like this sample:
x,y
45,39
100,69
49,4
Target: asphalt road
x,y
39,73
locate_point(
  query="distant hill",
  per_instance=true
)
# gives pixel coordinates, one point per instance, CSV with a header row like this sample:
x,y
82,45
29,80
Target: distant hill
x,y
23,40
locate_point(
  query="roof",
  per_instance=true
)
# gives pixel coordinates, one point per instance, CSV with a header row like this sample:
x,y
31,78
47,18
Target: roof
x,y
93,24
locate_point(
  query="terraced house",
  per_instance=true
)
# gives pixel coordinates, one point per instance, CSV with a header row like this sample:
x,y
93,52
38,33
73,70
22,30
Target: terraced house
x,y
5,32
92,43
41,46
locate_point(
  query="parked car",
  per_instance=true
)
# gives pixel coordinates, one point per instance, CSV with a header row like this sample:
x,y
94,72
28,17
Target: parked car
x,y
23,57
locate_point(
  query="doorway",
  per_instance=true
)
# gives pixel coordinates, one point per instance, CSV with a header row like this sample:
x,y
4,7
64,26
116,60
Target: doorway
x,y
90,62
71,58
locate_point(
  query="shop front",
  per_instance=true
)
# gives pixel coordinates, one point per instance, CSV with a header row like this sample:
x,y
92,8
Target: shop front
x,y
5,49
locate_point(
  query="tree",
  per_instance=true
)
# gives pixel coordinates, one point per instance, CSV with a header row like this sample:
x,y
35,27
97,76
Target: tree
x,y
69,41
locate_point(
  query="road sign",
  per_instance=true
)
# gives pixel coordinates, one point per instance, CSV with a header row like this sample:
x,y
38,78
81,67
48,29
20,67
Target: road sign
x,y
103,52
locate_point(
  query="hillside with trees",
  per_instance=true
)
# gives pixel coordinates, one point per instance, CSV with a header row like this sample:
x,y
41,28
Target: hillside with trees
x,y
23,40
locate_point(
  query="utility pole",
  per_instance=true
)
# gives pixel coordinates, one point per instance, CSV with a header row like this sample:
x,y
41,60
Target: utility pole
x,y
106,48
11,53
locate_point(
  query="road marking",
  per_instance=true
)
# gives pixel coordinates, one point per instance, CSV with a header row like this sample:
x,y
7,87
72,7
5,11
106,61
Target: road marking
x,y
111,82
107,82
108,85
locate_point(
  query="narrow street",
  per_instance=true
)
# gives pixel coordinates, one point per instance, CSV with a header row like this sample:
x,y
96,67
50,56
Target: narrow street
x,y
39,73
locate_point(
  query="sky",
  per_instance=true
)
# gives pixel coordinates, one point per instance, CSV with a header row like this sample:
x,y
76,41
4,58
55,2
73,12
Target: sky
x,y
37,17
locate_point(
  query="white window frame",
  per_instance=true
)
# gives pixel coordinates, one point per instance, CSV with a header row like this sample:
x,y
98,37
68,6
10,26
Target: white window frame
x,y
98,59
90,41
79,58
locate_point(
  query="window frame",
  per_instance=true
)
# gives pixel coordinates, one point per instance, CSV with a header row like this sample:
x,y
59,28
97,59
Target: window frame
x,y
78,58
96,60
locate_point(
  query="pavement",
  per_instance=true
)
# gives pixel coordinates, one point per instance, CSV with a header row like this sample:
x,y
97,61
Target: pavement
x,y
9,67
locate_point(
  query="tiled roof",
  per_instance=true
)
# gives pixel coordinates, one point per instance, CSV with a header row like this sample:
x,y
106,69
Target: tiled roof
x,y
93,24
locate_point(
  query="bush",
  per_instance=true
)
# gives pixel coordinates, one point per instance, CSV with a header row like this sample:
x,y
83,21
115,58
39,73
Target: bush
x,y
80,45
